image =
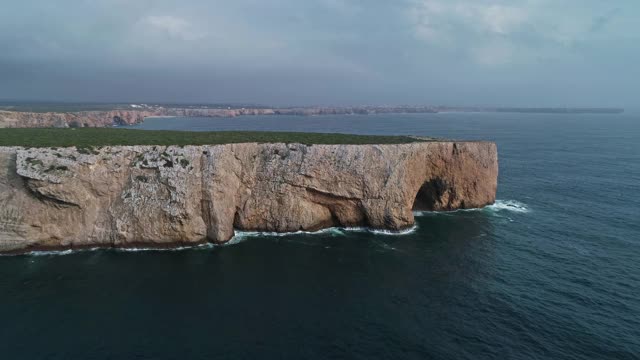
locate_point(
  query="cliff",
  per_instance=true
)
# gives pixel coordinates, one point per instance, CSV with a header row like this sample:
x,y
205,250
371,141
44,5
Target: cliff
x,y
19,119
164,196
25,119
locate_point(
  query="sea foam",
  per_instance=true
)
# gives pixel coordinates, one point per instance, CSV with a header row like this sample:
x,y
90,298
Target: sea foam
x,y
240,236
498,206
508,205
243,235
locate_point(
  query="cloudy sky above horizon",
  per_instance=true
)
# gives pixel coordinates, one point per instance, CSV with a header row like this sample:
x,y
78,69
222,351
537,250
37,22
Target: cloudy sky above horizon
x,y
292,52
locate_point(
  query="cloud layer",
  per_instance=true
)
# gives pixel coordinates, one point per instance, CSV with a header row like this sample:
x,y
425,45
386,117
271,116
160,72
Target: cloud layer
x,y
527,52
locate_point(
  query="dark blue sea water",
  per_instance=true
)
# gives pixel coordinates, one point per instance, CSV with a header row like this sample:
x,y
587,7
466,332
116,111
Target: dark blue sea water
x,y
550,272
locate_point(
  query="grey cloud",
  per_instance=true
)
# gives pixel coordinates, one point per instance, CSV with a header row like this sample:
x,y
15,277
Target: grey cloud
x,y
321,51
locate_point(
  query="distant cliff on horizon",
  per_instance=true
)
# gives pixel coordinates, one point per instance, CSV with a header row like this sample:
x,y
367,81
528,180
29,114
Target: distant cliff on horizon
x,y
136,114
104,115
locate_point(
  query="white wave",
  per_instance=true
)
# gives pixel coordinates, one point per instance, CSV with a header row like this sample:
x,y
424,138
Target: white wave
x,y
63,252
239,237
499,205
245,234
176,248
50,253
236,239
242,235
56,252
408,231
509,205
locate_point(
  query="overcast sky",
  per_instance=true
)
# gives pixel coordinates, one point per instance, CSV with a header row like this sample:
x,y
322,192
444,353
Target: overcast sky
x,y
303,52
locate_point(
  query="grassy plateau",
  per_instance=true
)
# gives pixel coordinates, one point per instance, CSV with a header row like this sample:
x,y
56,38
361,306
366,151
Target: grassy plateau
x,y
88,137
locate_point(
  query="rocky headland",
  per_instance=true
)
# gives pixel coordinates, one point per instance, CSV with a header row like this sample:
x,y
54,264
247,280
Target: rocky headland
x,y
132,116
128,196
13,117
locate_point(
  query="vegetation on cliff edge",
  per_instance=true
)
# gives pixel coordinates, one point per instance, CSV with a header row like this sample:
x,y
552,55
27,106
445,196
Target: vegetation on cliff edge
x,y
90,137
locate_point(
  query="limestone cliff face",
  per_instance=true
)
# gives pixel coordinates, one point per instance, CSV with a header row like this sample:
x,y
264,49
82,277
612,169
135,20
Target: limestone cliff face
x,y
163,196
15,119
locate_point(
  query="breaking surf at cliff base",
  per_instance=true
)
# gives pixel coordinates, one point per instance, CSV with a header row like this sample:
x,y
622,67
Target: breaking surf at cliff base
x,y
241,236
499,206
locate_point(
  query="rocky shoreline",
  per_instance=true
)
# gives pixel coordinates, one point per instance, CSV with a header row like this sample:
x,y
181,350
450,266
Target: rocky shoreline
x,y
135,114
167,196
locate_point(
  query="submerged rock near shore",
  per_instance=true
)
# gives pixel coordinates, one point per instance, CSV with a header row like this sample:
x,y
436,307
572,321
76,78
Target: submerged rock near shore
x,y
127,196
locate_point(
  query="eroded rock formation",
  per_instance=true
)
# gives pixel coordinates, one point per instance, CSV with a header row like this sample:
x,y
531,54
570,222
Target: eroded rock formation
x,y
164,196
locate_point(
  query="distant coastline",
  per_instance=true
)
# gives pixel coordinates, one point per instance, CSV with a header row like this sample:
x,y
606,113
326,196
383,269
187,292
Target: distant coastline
x,y
533,110
32,115
64,107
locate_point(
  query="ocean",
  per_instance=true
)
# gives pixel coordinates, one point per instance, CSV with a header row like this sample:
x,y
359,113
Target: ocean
x,y
551,271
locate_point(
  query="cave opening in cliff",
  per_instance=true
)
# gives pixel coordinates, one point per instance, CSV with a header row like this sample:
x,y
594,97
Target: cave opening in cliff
x,y
429,195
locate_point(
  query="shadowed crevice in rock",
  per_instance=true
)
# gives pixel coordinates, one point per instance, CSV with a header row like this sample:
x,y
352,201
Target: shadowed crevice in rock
x,y
207,216
344,211
430,195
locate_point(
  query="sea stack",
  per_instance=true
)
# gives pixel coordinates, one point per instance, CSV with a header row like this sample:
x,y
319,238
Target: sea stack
x,y
129,196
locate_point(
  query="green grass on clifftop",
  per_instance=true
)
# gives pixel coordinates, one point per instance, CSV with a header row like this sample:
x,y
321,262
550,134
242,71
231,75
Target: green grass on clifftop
x,y
111,137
